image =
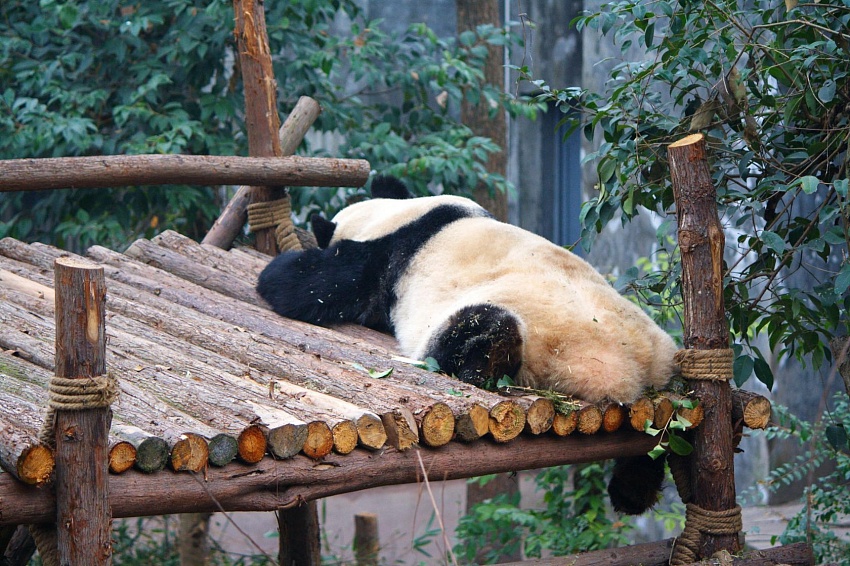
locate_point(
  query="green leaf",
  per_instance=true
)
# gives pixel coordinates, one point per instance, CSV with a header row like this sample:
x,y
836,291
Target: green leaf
x,y
763,372
742,368
679,445
842,280
657,452
841,187
773,241
809,184
826,92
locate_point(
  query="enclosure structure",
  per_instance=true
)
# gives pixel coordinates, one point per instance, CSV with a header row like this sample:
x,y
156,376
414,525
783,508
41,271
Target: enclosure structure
x,y
248,411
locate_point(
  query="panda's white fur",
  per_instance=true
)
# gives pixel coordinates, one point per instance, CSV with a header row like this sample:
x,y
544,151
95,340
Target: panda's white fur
x,y
579,335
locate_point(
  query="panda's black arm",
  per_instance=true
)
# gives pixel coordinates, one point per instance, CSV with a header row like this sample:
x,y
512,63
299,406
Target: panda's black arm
x,y
321,286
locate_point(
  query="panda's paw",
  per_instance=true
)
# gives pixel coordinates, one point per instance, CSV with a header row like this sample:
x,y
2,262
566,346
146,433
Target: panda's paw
x,y
635,485
479,342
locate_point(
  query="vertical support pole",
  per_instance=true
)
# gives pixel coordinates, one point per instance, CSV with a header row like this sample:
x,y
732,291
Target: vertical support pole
x,y
366,542
701,241
83,515
299,535
261,117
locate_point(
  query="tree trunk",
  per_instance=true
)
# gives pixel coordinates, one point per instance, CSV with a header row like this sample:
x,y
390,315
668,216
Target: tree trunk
x,y
193,540
481,118
299,535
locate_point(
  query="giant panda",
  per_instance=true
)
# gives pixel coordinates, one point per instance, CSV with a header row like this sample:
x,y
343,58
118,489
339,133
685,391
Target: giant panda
x,y
484,299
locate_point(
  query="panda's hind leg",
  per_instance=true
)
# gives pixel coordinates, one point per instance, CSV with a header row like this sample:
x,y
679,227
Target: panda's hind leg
x,y
635,484
479,342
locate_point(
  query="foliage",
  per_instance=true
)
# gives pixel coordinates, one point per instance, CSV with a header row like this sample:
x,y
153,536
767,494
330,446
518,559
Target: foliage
x,y
92,78
153,540
827,495
769,88
572,520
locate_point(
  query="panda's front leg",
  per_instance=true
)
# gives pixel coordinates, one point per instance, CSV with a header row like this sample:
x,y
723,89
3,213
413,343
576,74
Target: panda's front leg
x,y
479,342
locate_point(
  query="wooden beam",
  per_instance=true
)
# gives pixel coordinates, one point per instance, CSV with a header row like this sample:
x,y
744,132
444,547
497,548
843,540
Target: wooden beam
x,y
701,241
134,170
83,517
272,484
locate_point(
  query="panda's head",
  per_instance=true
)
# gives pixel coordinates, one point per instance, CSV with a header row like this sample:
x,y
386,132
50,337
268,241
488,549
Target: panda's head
x,y
391,207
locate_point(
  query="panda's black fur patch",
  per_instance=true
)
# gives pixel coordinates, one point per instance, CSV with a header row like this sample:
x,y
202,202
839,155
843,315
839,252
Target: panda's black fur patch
x,y
323,229
350,281
479,342
636,484
389,187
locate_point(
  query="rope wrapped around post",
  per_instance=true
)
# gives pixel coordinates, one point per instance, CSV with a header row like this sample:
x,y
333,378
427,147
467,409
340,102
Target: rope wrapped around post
x,y
68,395
706,365
277,214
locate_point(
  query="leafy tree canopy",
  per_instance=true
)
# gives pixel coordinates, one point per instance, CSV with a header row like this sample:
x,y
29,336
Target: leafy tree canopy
x,y
767,83
160,76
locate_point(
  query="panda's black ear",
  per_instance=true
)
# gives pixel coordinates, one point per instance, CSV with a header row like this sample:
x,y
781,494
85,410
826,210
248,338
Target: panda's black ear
x,y
323,229
385,186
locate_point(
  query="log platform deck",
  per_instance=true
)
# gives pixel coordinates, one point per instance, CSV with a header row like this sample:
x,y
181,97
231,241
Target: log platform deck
x,y
271,411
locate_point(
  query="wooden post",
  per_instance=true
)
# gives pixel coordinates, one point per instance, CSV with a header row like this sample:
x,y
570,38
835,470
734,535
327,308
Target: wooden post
x,y
299,535
366,541
233,217
83,515
702,241
261,115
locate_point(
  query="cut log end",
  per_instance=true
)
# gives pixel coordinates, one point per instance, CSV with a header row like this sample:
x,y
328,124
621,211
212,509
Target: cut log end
x,y
401,429
222,448
662,412
473,424
438,425
151,455
344,437
371,433
190,453
36,464
687,140
319,442
565,424
613,417
287,440
507,419
539,416
252,444
589,419
122,457
641,411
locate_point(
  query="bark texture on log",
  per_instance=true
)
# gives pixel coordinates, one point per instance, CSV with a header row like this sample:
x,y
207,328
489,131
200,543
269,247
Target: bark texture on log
x,y
702,241
136,170
299,535
83,515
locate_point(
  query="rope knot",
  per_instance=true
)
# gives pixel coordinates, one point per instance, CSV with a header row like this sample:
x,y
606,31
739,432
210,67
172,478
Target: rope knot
x,y
699,521
707,365
275,214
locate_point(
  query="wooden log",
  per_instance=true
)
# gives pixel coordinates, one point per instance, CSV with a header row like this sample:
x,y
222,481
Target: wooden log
x,y
20,547
83,515
366,542
750,408
232,219
662,411
694,415
21,453
507,419
222,449
135,170
122,456
236,488
472,424
252,444
589,418
345,437
190,453
300,534
539,413
640,412
613,416
701,241
565,423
